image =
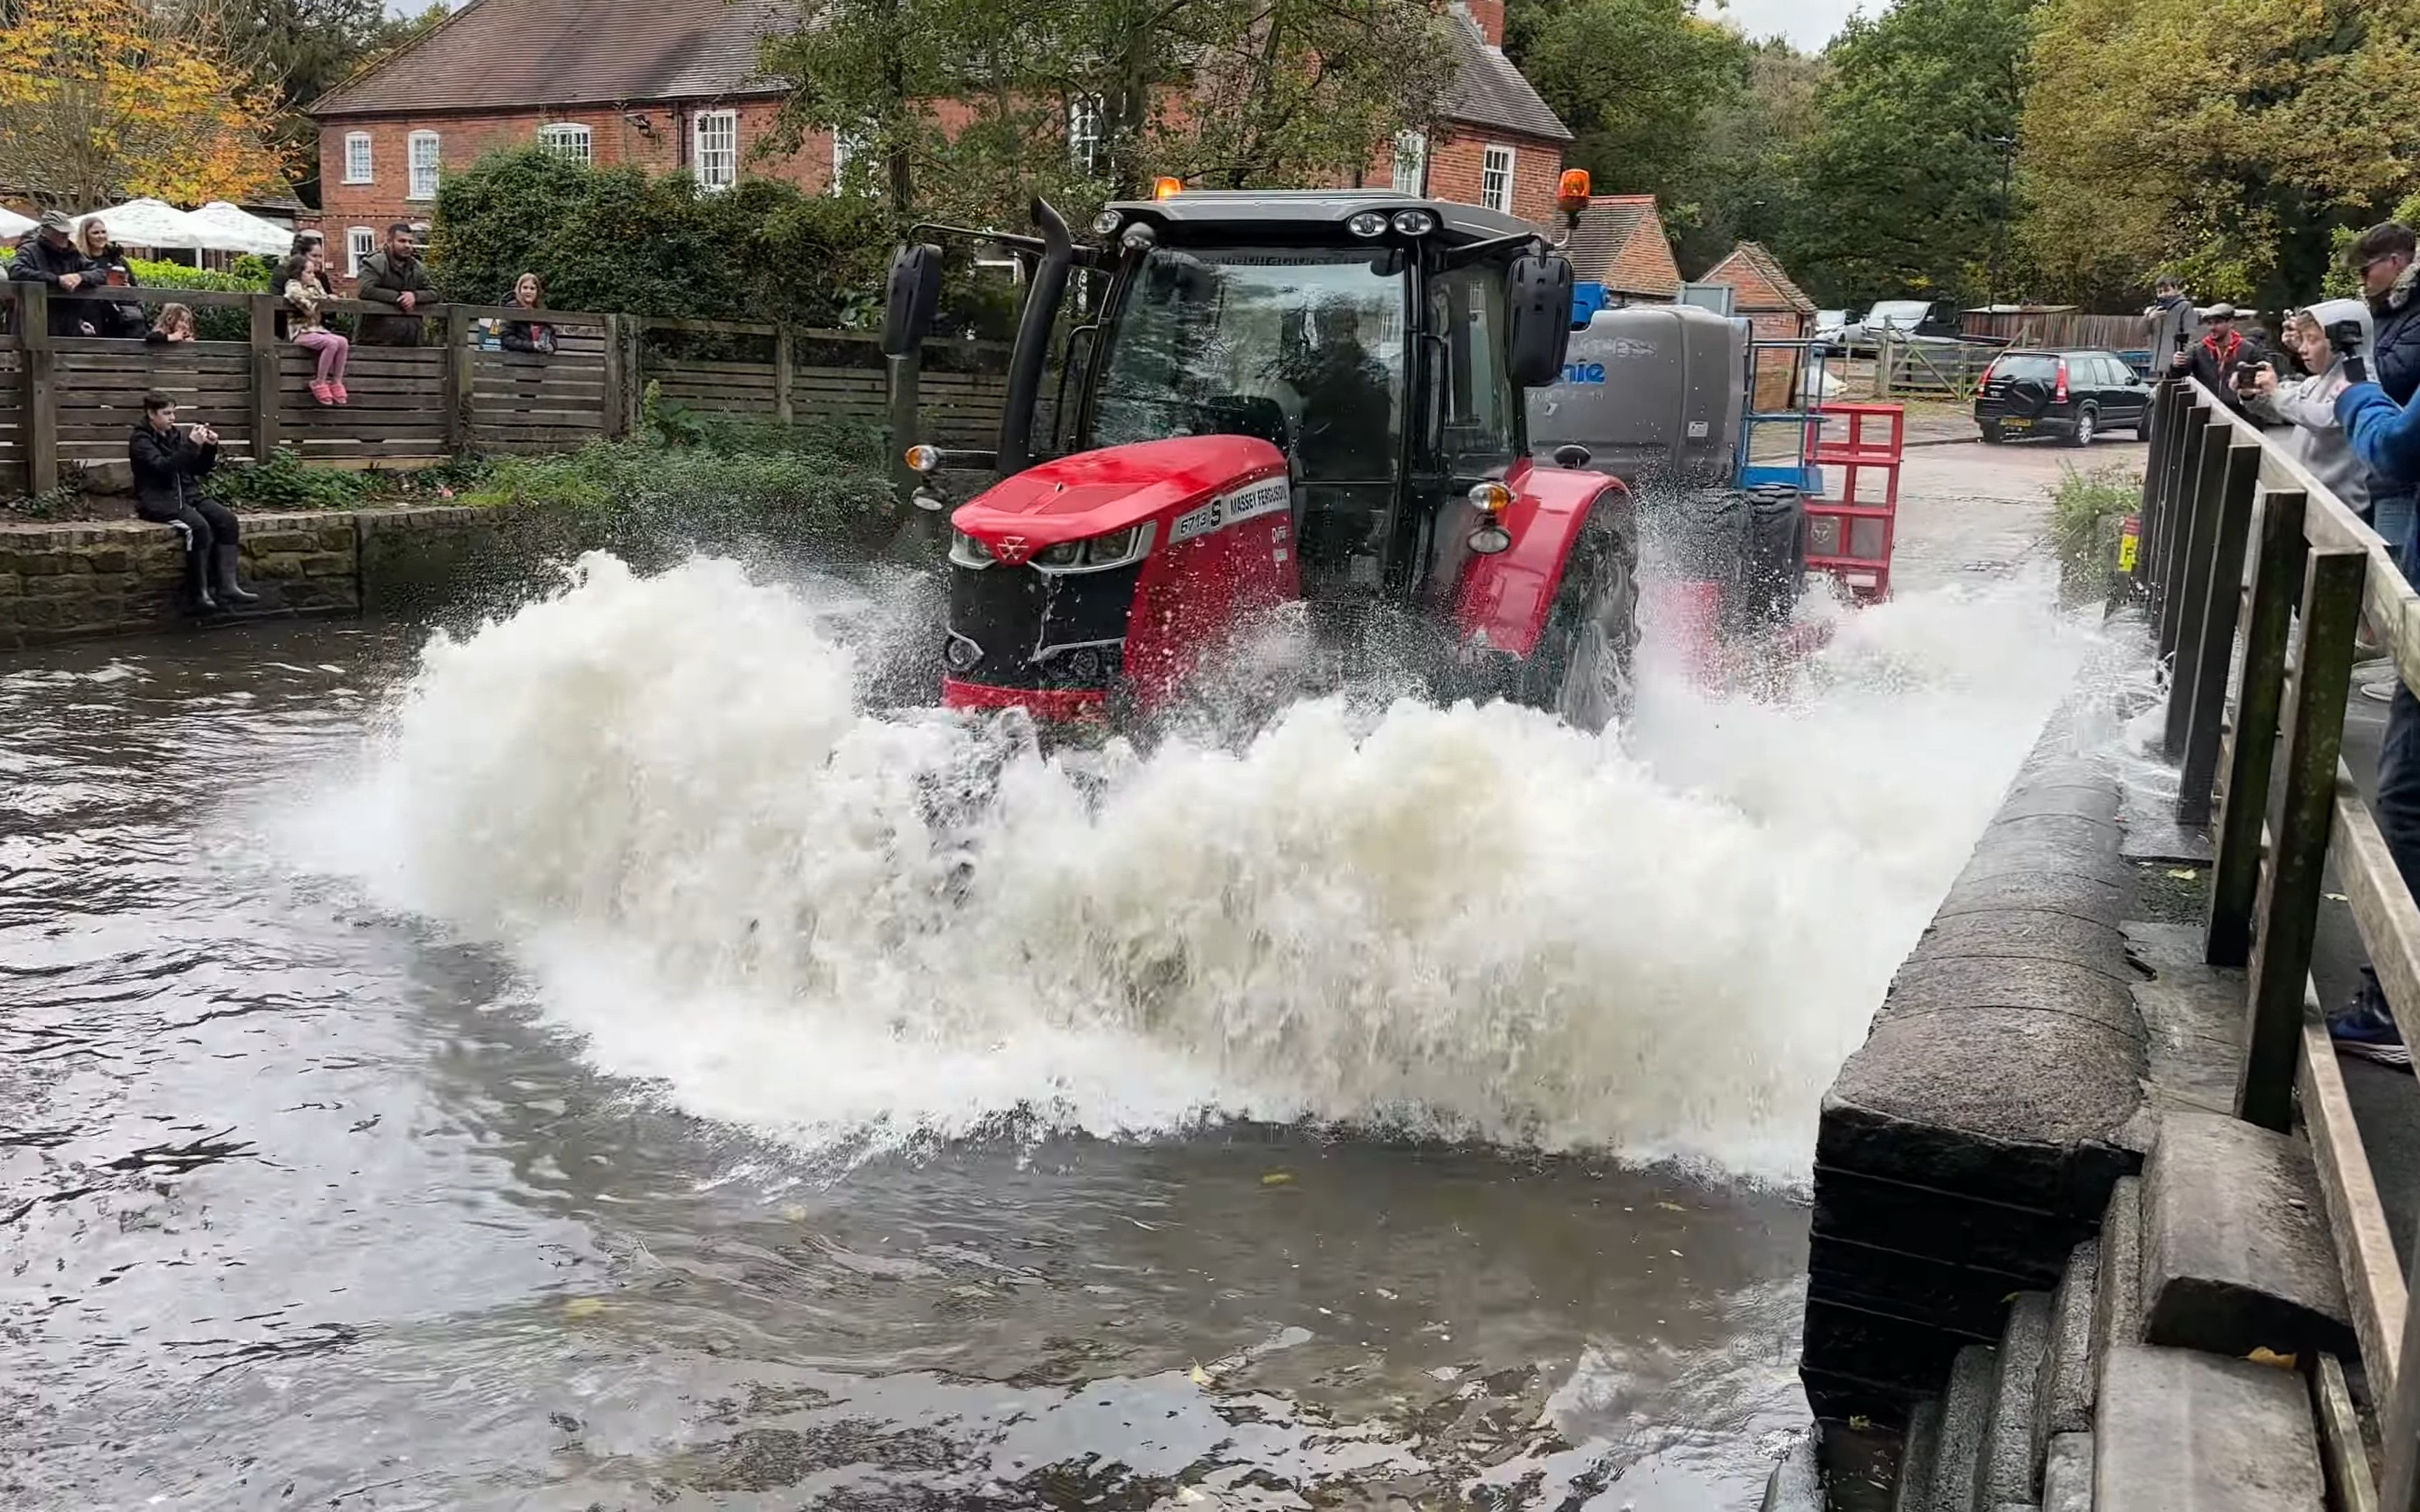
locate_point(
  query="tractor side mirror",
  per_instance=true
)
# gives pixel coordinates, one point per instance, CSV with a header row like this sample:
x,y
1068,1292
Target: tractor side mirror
x,y
913,299
1538,318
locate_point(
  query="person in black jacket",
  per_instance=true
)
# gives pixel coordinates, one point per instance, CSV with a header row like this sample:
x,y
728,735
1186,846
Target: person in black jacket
x,y
169,466
119,319
394,277
533,336
2221,355
50,257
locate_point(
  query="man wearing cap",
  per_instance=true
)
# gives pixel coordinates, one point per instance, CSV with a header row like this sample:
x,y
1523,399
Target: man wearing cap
x,y
2220,357
50,257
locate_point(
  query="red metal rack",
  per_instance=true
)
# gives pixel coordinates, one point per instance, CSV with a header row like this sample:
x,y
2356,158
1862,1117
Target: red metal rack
x,y
1851,535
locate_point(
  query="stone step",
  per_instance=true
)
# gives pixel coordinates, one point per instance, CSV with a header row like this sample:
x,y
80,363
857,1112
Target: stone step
x,y
1796,1484
2178,1429
2063,1402
1921,1452
1965,1421
2006,1471
2066,1474
2118,1287
2236,1254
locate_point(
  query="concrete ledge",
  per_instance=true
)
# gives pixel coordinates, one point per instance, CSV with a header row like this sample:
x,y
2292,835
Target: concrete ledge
x,y
81,580
2183,1429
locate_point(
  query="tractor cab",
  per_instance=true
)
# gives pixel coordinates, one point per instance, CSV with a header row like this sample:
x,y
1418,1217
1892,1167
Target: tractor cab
x,y
1281,394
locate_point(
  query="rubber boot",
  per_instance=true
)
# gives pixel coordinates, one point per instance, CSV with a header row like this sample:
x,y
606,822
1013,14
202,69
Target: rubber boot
x,y
222,575
197,581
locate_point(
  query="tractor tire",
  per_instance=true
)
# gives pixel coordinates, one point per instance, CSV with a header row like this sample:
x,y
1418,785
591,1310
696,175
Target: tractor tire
x,y
1771,565
1702,538
1584,669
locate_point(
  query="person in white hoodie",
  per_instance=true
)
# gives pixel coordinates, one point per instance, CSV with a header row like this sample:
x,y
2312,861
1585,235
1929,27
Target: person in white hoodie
x,y
2310,404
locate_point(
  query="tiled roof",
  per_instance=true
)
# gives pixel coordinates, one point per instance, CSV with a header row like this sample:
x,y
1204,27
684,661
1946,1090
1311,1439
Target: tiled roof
x,y
1757,274
1488,90
502,55
1619,242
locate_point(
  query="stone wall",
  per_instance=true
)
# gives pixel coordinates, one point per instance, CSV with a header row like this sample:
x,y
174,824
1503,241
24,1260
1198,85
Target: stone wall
x,y
74,581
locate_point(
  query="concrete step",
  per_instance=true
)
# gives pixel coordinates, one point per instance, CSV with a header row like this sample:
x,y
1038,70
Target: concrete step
x,y
2118,1287
2063,1402
2236,1254
2006,1472
1796,1484
2066,1474
2192,1432
1917,1459
1966,1421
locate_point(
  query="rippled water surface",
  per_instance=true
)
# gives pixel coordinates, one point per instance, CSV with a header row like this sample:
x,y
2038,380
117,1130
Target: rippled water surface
x,y
381,1130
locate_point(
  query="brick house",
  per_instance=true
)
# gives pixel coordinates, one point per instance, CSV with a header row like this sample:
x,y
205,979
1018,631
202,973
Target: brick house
x,y
1775,309
675,86
1621,244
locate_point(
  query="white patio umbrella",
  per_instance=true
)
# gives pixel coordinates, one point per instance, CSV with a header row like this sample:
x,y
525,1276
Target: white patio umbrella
x,y
147,223
222,227
12,225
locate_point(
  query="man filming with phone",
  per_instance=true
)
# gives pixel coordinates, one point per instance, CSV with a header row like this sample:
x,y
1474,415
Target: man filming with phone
x,y
169,465
2225,360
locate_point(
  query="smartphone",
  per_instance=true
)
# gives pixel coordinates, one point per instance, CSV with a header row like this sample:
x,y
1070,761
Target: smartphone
x,y
117,278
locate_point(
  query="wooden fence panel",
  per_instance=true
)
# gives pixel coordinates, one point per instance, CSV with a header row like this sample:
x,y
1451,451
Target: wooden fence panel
x,y
396,414
12,420
526,402
101,385
726,388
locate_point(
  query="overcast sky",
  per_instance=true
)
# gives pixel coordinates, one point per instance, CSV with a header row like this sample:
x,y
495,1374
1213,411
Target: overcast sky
x,y
1810,23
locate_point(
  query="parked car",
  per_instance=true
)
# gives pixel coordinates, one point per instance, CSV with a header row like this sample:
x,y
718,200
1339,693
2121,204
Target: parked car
x,y
1829,324
1927,322
2079,395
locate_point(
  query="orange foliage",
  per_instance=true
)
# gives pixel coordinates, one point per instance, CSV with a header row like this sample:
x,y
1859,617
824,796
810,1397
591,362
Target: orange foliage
x,y
102,99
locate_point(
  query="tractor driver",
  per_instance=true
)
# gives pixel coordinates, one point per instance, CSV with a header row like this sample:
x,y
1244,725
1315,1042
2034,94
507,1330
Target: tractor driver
x,y
1347,410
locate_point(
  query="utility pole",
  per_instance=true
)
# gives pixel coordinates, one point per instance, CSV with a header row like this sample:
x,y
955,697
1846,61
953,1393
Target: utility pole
x,y
2006,146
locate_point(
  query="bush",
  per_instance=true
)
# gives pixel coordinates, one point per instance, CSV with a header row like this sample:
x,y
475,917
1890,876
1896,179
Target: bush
x,y
250,276
2080,507
285,483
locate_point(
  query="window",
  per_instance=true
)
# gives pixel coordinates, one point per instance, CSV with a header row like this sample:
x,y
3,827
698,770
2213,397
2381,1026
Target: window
x,y
568,139
848,147
360,241
1412,163
1496,179
357,157
1476,430
424,167
716,159
1084,133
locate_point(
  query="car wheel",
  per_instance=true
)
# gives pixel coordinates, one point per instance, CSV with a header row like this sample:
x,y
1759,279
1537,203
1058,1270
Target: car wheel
x,y
2087,426
1992,435
1585,664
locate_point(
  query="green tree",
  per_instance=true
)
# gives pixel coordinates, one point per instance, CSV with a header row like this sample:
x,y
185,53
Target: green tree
x,y
295,51
1904,183
2229,140
1638,81
1751,168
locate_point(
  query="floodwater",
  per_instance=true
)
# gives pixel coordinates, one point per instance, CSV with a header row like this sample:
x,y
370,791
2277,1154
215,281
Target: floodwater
x,y
597,1062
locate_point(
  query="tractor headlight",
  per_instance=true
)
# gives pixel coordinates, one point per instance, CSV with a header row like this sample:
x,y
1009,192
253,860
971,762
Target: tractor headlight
x,y
1107,223
1415,223
969,552
960,653
1065,554
1118,549
1367,223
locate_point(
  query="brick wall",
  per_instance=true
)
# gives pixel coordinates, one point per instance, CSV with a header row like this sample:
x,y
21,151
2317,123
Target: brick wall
x,y
614,139
1457,163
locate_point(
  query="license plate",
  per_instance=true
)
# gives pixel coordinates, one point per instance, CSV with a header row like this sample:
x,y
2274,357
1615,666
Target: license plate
x,y
2016,425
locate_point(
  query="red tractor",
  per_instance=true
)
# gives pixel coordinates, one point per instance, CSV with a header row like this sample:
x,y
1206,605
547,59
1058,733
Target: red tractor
x,y
1281,395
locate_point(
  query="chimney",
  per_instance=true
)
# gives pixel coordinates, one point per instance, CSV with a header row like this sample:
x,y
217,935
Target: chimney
x,y
1490,16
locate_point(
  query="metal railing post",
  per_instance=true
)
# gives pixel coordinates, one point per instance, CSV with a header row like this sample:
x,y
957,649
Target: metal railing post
x,y
2288,907
2176,528
2155,503
2200,685
2197,554
2260,682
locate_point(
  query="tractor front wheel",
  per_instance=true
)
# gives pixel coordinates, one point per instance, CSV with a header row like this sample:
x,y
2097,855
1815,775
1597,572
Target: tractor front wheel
x,y
1585,666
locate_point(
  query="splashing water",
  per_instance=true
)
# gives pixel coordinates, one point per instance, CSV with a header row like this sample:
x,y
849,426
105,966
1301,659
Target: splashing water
x,y
858,931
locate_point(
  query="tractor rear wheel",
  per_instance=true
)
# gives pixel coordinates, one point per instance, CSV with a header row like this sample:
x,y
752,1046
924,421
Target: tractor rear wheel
x,y
1584,668
1771,565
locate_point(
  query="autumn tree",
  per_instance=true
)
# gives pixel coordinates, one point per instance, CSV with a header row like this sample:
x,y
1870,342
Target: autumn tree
x,y
1638,81
2229,140
294,50
104,99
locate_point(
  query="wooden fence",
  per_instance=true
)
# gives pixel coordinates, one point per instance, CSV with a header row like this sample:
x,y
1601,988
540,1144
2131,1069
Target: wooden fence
x,y
71,401
2258,578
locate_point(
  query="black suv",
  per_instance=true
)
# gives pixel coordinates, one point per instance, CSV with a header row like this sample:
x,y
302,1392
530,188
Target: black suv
x,y
2078,395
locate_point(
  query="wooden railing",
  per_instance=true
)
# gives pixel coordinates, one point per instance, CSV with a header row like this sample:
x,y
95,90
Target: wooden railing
x,y
2255,569
68,402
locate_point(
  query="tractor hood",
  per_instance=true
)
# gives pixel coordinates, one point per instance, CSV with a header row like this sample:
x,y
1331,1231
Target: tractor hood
x,y
1093,493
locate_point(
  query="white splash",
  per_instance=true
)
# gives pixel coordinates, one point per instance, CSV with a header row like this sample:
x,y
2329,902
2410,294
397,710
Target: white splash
x,y
855,931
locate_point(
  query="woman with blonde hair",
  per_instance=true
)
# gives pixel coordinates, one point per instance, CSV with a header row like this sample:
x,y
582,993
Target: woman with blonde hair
x,y
121,319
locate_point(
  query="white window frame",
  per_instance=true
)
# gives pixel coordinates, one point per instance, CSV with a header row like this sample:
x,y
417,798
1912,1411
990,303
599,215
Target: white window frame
x,y
360,241
361,162
416,187
714,167
569,139
1411,152
1085,133
1499,197
847,146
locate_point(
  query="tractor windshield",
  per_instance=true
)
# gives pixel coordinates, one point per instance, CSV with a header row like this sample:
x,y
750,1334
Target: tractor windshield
x,y
1304,347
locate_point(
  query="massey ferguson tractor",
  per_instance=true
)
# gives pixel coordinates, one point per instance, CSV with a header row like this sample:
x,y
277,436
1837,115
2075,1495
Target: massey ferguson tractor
x,y
1272,396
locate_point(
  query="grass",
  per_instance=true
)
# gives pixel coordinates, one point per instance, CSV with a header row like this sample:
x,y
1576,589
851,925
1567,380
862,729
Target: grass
x,y
2082,504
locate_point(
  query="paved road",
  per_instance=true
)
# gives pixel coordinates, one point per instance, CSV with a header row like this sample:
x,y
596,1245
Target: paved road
x,y
1971,511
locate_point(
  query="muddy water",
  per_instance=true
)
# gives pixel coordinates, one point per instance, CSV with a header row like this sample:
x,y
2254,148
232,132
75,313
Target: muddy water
x,y
315,1198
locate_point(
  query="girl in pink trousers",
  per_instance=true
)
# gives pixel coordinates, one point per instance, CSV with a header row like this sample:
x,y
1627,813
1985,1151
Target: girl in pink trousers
x,y
304,293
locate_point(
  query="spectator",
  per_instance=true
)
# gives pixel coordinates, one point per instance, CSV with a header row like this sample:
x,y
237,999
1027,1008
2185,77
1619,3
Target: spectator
x,y
529,293
2382,258
168,471
2175,323
304,293
288,267
394,276
175,324
50,258
121,318
2308,405
2222,355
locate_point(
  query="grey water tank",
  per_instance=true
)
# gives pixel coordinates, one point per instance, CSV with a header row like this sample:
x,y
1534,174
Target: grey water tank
x,y
1653,391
